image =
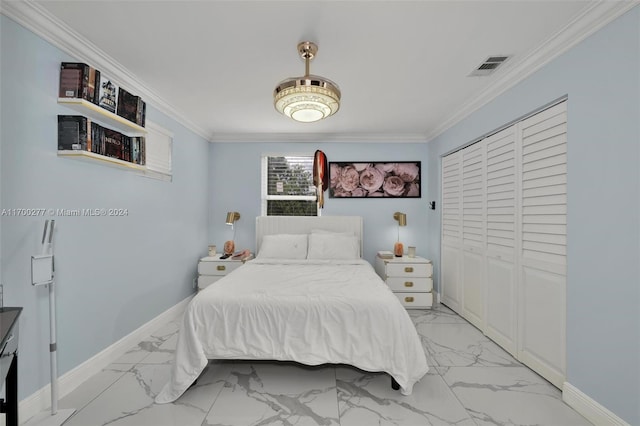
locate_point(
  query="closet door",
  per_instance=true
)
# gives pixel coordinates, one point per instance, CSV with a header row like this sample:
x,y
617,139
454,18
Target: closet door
x,y
501,230
473,234
450,285
542,295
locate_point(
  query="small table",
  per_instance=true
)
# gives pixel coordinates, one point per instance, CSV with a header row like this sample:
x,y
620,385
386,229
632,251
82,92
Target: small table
x,y
211,269
9,362
410,279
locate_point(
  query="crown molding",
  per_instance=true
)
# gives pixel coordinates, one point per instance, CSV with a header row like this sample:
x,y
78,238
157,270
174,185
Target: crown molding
x,y
593,18
38,20
318,137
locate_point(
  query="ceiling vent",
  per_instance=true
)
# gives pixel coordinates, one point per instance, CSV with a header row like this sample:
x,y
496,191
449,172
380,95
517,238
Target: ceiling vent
x,y
488,66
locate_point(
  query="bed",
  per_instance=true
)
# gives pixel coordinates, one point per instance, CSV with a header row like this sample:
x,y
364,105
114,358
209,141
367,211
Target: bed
x,y
307,297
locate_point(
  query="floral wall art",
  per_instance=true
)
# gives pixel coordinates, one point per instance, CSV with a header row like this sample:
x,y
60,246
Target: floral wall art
x,y
369,180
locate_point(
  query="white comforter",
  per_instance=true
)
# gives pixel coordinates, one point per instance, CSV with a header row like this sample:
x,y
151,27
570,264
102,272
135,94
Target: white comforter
x,y
312,312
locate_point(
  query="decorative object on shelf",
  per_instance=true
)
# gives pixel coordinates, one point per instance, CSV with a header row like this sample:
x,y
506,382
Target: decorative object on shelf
x,y
400,179
212,250
308,98
108,94
230,245
411,252
398,247
320,176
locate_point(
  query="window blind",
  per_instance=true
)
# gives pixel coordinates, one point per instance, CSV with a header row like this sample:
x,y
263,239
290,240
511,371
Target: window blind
x,y
288,188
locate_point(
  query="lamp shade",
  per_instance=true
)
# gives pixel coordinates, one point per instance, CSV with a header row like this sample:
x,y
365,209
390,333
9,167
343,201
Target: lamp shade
x,y
232,217
401,218
307,99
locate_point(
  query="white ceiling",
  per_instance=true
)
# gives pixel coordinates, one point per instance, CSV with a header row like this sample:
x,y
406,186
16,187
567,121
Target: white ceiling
x,y
402,66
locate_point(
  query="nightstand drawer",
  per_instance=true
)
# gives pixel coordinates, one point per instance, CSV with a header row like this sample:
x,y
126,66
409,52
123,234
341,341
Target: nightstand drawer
x,y
415,300
206,280
410,284
409,269
217,268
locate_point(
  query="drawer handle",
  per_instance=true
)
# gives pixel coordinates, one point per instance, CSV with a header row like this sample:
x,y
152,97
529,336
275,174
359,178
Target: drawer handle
x,y
221,267
408,283
408,269
408,299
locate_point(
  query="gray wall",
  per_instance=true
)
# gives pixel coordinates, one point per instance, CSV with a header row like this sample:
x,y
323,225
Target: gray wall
x,y
113,273
601,77
235,186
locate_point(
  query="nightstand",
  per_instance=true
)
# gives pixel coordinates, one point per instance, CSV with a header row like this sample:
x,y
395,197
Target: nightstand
x,y
211,269
410,279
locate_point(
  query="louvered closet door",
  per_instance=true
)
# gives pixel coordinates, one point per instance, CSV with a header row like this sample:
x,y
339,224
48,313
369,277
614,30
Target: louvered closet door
x,y
501,208
451,231
542,308
473,233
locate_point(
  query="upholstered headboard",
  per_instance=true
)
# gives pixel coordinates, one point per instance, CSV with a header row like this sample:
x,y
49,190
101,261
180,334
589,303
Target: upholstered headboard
x,y
269,225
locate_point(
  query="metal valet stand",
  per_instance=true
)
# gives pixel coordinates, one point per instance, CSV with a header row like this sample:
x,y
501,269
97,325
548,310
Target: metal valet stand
x,y
42,269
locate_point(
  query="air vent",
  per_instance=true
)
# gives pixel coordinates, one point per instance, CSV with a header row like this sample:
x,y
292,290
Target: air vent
x,y
489,66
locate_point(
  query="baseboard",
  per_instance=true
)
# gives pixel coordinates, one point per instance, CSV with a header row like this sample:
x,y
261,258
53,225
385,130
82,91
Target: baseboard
x,y
589,408
41,399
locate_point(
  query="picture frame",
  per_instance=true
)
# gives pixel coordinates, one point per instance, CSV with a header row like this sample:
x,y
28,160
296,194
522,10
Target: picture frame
x,y
355,179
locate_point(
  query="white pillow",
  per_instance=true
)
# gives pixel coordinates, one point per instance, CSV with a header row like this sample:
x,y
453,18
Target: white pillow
x,y
333,246
283,246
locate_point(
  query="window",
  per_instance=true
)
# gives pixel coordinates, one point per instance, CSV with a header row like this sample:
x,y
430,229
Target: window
x,y
158,145
287,186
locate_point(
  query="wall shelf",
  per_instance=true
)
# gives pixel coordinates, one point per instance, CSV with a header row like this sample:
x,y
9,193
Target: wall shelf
x,y
103,117
102,159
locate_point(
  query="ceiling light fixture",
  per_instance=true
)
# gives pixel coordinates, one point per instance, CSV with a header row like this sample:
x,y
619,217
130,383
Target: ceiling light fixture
x,y
308,98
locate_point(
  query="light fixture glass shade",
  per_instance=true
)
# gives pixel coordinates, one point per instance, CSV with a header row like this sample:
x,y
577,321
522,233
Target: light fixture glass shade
x,y
308,98
232,217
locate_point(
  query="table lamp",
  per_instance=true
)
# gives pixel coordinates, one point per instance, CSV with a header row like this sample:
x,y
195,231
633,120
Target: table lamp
x,y
398,247
230,246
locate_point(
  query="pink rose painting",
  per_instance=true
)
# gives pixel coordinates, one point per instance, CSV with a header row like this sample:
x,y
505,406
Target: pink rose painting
x,y
364,180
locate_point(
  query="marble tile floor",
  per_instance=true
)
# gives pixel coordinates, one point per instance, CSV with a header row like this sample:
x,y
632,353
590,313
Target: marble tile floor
x,y
471,381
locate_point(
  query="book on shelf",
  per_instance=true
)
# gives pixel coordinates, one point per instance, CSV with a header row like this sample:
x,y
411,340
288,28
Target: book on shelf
x,y
74,133
112,143
131,107
126,149
78,80
385,255
142,143
107,94
137,150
